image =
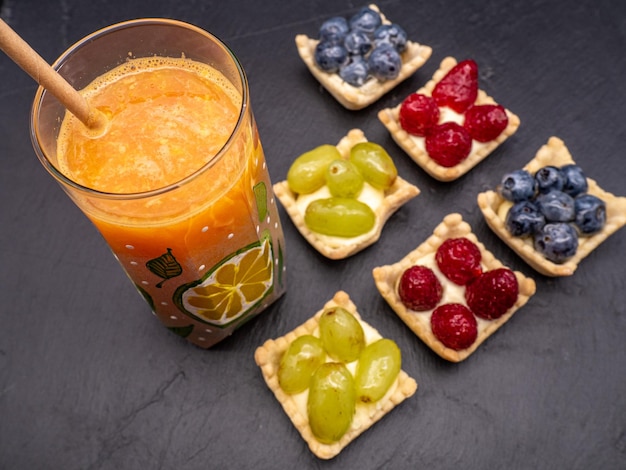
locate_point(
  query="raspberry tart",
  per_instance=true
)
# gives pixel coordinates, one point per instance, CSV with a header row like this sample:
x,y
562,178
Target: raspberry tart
x,y
477,295
515,196
296,403
353,90
450,125
307,189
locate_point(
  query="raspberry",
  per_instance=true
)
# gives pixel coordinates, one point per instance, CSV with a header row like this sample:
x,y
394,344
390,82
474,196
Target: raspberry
x,y
418,114
454,325
485,122
448,144
459,260
459,88
419,289
491,294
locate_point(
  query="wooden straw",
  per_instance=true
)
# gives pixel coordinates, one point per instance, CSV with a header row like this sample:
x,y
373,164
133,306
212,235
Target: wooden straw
x,y
33,64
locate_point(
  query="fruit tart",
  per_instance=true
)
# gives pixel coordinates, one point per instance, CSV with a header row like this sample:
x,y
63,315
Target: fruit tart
x,y
335,376
550,213
452,292
339,197
450,125
360,58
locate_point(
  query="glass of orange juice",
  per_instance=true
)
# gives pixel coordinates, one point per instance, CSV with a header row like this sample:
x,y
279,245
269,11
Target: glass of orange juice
x,y
176,182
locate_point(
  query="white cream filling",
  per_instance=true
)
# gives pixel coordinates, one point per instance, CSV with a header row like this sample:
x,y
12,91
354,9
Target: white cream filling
x,y
363,411
369,195
449,115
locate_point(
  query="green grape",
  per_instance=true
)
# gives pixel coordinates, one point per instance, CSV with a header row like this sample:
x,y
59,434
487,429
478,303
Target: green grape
x,y
308,172
339,217
378,368
343,179
303,356
331,402
341,334
375,164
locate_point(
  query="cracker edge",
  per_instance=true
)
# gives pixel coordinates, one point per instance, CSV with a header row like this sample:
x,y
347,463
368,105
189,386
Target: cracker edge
x,y
267,357
554,152
389,118
395,197
355,98
386,278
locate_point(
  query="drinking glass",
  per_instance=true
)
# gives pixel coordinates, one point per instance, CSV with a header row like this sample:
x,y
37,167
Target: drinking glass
x,y
206,251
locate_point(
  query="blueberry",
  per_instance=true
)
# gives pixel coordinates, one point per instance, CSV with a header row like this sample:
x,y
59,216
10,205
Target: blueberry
x,y
384,63
366,20
549,178
590,213
357,43
575,180
557,242
334,29
355,71
330,56
556,206
524,218
391,34
517,186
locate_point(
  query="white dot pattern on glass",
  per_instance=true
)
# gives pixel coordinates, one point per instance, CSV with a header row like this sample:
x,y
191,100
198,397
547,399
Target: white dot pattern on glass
x,y
268,221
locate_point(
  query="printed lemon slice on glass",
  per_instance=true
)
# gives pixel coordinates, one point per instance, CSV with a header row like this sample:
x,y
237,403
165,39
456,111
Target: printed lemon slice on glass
x,y
232,288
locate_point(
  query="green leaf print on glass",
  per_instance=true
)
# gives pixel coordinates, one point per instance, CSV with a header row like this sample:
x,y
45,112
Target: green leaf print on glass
x,y
165,266
260,194
182,331
147,297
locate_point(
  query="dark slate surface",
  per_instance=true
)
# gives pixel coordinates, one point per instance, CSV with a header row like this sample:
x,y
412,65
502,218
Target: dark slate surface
x,y
90,380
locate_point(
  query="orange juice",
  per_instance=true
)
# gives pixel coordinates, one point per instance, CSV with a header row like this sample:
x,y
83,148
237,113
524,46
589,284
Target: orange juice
x,y
203,243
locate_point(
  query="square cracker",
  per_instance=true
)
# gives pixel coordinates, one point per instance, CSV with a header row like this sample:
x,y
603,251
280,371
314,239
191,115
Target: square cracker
x,y
354,98
409,143
494,208
268,358
399,193
387,278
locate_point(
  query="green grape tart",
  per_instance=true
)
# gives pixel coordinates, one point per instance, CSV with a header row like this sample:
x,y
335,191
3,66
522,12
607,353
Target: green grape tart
x,y
357,378
339,197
